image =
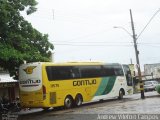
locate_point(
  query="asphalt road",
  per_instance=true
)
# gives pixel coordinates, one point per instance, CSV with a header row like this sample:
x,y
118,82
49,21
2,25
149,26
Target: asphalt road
x,y
108,108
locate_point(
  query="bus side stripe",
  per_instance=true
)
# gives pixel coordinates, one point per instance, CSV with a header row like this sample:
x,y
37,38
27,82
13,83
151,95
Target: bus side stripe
x,y
105,86
102,86
109,85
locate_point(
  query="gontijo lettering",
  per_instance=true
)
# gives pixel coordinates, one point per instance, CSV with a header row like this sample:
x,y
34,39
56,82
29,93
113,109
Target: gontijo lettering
x,y
29,81
84,82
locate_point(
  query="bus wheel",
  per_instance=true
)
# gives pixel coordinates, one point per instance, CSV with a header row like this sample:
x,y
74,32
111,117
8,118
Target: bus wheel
x,y
120,94
68,102
78,100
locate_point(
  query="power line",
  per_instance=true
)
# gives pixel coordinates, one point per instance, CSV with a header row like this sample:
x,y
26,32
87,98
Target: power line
x,y
151,45
90,42
145,43
148,23
107,42
95,45
86,36
109,45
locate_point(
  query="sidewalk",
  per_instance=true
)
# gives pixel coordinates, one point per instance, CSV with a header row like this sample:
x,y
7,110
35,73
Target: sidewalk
x,y
146,94
28,111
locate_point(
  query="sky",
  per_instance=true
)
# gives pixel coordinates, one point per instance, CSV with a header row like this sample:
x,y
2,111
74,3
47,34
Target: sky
x,y
83,30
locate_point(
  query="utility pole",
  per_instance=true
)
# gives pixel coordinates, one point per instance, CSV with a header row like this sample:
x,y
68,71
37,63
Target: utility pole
x,y
137,57
131,61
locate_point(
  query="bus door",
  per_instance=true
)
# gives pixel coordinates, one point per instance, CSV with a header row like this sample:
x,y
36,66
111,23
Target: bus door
x,y
129,79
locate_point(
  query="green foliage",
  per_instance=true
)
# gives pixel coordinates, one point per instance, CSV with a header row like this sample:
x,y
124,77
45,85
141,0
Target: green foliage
x,y
158,88
19,41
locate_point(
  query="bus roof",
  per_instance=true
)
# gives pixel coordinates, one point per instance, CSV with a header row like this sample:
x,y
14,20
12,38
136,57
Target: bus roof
x,y
72,63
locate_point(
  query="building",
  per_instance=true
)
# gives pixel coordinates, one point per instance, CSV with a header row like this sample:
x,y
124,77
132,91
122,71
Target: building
x,y
153,70
9,87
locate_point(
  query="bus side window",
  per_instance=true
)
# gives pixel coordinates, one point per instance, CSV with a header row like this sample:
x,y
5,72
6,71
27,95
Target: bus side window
x,y
90,71
108,70
49,72
118,70
58,72
75,73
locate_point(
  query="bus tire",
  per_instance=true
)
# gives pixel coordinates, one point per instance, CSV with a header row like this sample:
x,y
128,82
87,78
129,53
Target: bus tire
x,y
121,93
68,102
78,100
101,100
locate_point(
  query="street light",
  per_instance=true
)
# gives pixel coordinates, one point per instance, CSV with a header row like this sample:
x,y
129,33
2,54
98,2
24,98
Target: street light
x,y
136,53
135,46
123,29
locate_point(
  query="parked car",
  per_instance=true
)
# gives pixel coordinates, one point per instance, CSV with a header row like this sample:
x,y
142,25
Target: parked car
x,y
150,85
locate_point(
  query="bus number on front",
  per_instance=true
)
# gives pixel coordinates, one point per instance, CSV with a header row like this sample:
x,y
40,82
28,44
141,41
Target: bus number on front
x,y
54,85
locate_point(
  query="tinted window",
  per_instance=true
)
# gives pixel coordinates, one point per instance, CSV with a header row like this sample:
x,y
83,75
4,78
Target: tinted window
x,y
62,72
90,71
112,70
118,70
147,83
108,70
75,72
155,82
70,72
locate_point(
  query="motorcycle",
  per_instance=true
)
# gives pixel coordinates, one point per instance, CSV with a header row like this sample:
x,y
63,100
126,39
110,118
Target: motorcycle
x,y
15,106
6,106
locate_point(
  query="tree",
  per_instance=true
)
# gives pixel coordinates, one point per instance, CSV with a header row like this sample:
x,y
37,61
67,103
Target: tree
x,y
19,41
